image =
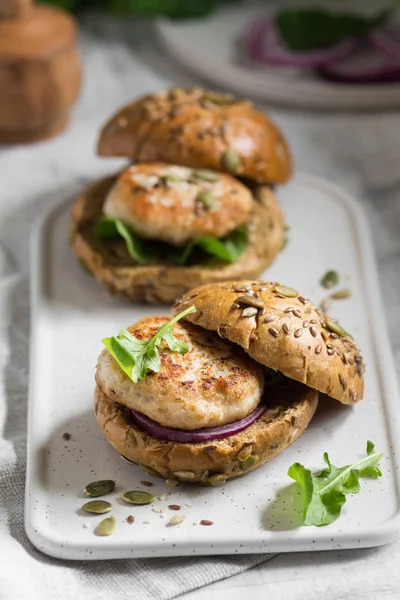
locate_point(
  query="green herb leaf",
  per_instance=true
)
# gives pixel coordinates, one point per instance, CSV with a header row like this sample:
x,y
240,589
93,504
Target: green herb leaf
x,y
307,29
228,249
324,494
137,357
108,228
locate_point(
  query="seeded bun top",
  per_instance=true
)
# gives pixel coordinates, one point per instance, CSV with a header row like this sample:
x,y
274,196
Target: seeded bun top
x,y
282,330
199,129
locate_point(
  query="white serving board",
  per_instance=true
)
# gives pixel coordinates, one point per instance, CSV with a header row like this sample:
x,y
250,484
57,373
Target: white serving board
x,y
208,47
70,316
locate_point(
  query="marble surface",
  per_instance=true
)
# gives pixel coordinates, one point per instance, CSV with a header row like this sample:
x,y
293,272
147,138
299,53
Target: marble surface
x,y
360,152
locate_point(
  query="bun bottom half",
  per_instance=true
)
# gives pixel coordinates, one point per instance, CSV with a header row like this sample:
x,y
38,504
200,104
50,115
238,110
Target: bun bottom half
x,y
112,266
290,409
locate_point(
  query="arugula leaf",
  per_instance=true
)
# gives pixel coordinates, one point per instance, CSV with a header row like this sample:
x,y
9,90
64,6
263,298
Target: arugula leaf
x,y
228,249
307,29
324,494
108,228
137,357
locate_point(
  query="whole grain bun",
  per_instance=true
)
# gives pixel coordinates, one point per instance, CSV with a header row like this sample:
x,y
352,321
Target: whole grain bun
x,y
286,333
290,409
112,266
200,129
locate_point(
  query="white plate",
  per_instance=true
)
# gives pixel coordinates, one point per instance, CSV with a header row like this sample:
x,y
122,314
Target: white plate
x,y
70,316
208,47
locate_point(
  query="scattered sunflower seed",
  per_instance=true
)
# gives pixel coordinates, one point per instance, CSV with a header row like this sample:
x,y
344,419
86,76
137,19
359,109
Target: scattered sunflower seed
x,y
99,488
245,452
174,507
230,160
184,475
249,300
326,305
249,312
151,471
138,497
269,319
242,288
341,294
330,279
205,198
176,519
205,175
173,482
298,333
288,292
107,526
130,519
158,509
273,331
97,507
206,522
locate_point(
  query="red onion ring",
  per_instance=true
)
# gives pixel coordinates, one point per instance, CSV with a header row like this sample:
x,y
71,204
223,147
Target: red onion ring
x,y
387,39
170,434
366,65
263,44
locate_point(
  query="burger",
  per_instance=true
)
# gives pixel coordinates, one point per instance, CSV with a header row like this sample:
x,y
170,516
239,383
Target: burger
x,y
224,386
197,205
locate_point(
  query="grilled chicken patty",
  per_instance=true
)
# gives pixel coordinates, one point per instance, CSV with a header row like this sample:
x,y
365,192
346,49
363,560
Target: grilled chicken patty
x,y
213,384
177,204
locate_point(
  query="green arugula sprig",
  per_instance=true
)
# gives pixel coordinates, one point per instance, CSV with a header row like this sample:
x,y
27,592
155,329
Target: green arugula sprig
x,y
324,494
227,249
137,357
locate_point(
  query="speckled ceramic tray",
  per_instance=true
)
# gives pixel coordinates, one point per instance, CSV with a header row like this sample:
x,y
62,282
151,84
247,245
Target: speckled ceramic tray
x,y
70,316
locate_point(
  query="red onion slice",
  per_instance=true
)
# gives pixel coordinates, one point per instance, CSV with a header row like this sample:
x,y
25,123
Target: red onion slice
x,y
365,65
263,44
387,39
169,434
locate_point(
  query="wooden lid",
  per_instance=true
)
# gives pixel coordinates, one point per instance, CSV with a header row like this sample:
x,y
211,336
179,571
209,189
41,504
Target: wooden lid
x,y
38,32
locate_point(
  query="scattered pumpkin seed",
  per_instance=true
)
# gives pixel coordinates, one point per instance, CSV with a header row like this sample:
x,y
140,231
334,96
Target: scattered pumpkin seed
x,y
217,479
176,519
230,160
341,294
250,461
205,175
151,471
107,526
330,279
172,178
335,328
245,452
205,198
99,488
138,497
97,507
288,292
184,475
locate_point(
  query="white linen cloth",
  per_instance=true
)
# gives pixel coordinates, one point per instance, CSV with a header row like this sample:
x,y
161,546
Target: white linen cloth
x,y
360,153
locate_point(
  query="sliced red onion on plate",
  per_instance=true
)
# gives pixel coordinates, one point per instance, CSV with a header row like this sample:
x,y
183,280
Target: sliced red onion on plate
x,y
263,44
387,39
198,436
365,65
